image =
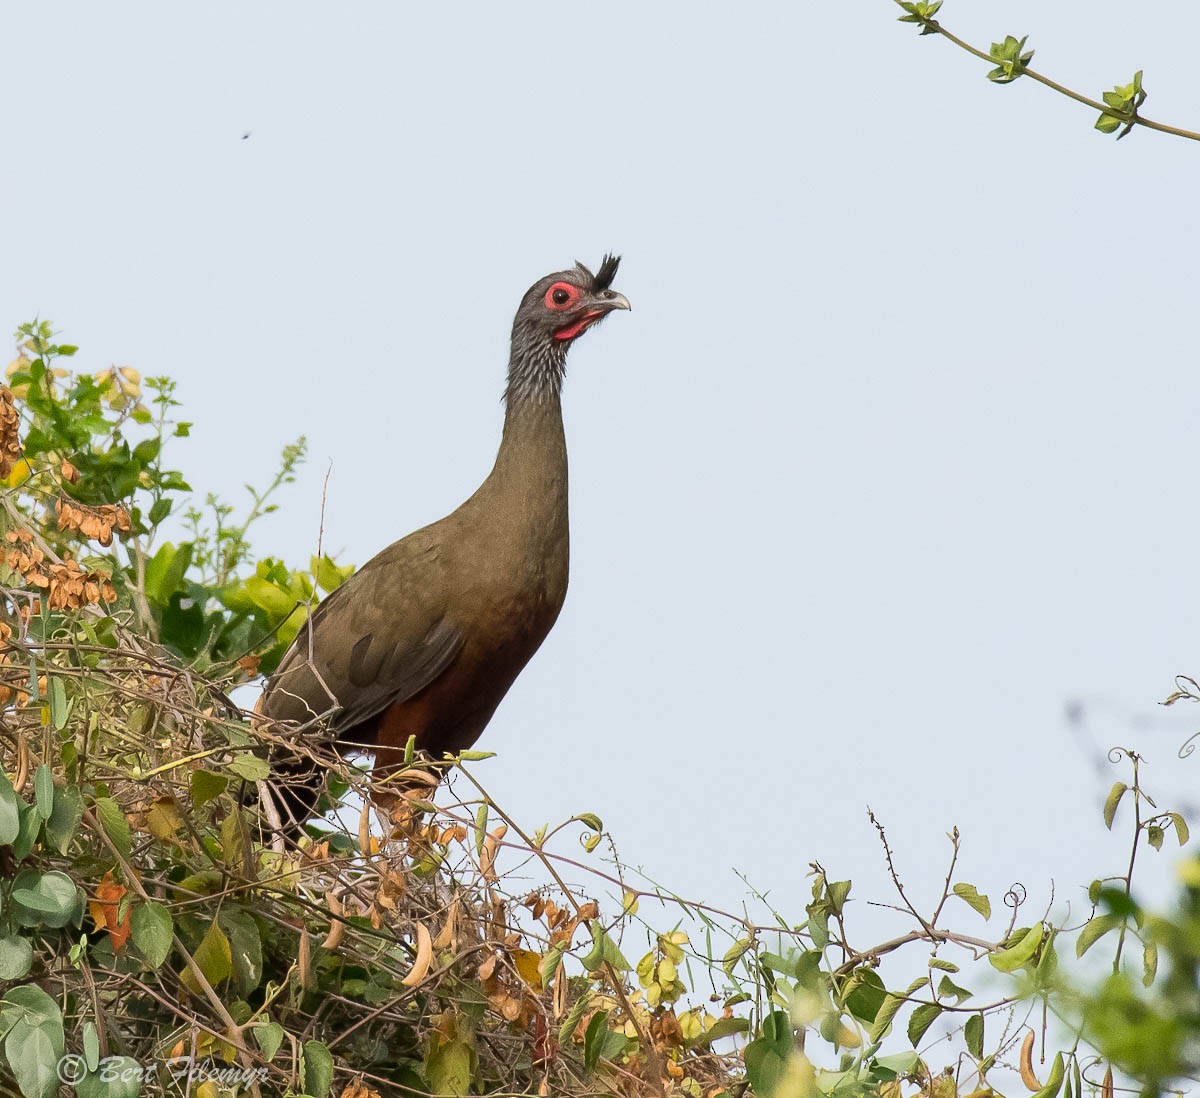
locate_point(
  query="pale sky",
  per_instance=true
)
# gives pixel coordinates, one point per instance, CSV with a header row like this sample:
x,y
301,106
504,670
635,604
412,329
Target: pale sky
x,y
894,457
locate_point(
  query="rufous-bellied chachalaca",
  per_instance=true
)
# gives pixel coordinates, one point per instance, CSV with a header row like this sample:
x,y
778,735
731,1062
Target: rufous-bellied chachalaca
x,y
426,638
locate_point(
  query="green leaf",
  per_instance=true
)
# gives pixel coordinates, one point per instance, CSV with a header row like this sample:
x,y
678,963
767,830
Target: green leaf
x,y
147,450
722,1027
594,1039
250,767
207,786
213,957
944,966
33,1053
115,825
268,1037
33,1005
316,1069
883,1017
118,1077
1154,836
818,929
328,575
1149,963
867,996
919,12
10,811
948,989
481,821
734,954
1181,827
766,1057
449,1068
1013,58
91,1046
267,596
152,931
43,786
1093,930
64,817
1112,801
165,571
59,709
838,892
603,949
567,1030
922,1018
30,827
245,943
550,962
16,957
899,1063
159,510
590,820
972,896
973,1033
54,896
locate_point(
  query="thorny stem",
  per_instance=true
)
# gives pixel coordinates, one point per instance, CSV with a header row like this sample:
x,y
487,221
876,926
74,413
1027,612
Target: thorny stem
x,y
887,851
1133,119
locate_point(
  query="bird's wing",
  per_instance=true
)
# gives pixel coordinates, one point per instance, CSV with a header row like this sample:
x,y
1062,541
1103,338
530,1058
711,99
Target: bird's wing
x,y
381,637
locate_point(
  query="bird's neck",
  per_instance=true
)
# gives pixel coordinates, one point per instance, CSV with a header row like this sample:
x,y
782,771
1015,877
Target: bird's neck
x,y
533,449
533,430
535,369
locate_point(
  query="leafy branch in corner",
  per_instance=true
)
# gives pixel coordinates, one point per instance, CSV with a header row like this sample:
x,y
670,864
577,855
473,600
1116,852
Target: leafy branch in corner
x,y
1119,109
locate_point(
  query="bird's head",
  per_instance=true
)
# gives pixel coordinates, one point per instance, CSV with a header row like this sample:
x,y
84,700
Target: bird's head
x,y
555,311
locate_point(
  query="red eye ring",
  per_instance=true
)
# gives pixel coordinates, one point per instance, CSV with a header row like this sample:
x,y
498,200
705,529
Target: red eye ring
x,y
561,296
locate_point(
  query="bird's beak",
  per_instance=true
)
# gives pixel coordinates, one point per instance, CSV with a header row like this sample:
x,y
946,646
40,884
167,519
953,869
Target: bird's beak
x,y
617,301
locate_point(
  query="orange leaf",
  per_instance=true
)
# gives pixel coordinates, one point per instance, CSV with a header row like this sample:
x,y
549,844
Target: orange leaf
x,y
106,908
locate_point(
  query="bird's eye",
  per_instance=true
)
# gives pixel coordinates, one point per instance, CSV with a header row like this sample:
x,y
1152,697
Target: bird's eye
x,y
560,295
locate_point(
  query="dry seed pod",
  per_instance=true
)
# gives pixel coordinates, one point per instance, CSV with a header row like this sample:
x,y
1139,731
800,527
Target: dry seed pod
x,y
449,933
337,925
1027,1076
487,858
421,965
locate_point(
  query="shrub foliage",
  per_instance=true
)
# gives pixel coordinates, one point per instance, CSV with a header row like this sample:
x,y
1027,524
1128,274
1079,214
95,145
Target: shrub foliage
x,y
152,942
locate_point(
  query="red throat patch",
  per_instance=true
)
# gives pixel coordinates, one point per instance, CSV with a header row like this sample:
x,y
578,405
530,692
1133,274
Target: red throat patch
x,y
580,326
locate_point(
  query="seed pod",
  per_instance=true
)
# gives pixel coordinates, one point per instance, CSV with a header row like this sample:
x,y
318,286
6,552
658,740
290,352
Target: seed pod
x,y
1027,1075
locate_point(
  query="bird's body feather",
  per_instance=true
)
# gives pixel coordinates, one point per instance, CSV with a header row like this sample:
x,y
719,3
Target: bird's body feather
x,y
425,639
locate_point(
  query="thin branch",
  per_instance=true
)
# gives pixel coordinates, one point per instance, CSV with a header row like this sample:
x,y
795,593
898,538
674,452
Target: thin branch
x,y
930,25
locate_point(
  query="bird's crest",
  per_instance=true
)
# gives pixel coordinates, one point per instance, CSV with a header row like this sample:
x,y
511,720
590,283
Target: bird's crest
x,y
603,278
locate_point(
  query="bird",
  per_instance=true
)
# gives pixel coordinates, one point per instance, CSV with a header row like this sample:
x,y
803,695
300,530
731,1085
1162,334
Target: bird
x,y
426,638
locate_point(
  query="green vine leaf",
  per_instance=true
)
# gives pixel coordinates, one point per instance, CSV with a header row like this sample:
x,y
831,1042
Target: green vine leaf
x,y
1012,57
1123,101
970,895
1112,802
922,13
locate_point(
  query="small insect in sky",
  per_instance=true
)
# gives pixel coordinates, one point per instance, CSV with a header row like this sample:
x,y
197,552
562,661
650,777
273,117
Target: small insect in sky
x,y
245,135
